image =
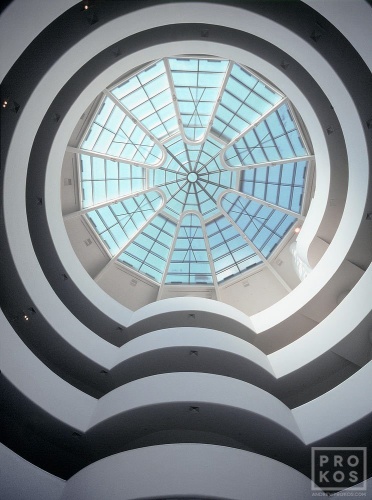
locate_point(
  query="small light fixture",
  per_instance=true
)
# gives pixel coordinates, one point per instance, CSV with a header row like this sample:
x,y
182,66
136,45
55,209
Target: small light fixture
x,y
194,409
297,230
5,103
27,314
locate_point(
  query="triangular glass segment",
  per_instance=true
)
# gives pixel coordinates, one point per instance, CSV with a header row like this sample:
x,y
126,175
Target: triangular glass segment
x,y
211,172
171,177
116,224
189,262
103,180
244,100
113,133
275,138
148,252
281,185
231,254
197,84
265,227
148,97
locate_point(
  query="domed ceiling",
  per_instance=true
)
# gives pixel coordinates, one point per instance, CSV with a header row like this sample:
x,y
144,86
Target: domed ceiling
x,y
192,171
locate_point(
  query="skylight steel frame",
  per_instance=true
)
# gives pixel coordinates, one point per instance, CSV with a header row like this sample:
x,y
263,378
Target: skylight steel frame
x,y
186,139
230,254
131,167
271,185
214,283
143,69
308,156
150,251
243,102
138,124
119,222
188,187
184,162
114,258
265,260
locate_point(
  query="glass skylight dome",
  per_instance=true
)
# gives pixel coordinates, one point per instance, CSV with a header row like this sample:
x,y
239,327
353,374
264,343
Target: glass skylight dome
x,y
192,171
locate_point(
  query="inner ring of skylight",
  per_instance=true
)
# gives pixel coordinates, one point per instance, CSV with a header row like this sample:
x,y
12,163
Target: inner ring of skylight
x,y
192,171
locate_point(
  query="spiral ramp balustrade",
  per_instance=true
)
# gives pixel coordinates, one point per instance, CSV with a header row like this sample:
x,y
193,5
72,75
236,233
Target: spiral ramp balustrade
x,y
185,397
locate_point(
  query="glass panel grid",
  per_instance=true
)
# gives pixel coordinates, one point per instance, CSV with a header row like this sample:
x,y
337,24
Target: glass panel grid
x,y
189,262
114,133
103,180
116,224
148,96
264,226
192,177
197,83
281,185
230,252
148,252
275,138
245,99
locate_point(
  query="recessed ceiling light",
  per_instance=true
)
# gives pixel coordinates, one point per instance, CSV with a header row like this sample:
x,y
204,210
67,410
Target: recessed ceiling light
x,y
194,409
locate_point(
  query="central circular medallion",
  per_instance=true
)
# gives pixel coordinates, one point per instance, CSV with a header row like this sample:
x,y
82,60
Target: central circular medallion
x,y
192,177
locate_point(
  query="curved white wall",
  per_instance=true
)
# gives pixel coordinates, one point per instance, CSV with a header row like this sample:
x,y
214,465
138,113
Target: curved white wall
x,y
30,22
20,480
186,469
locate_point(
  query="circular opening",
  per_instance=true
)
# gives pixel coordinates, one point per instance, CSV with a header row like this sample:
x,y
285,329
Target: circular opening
x,y
192,177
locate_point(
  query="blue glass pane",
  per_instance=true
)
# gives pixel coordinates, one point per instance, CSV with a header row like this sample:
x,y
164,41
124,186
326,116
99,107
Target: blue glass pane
x,y
189,261
116,224
104,180
147,95
244,100
264,226
275,138
160,105
282,185
197,84
193,177
230,252
114,133
148,252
